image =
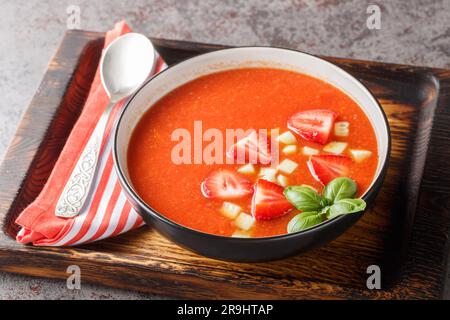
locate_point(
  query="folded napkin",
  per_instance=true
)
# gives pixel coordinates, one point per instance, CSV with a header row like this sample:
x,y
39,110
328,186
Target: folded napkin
x,y
107,213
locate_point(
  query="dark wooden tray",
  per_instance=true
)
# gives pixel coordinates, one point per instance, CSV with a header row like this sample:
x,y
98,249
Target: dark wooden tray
x,y
406,233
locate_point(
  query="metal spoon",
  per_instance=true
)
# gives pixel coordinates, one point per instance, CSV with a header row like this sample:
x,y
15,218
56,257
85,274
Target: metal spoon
x,y
125,64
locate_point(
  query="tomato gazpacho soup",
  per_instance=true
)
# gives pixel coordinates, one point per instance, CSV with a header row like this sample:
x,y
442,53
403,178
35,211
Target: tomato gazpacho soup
x,y
326,154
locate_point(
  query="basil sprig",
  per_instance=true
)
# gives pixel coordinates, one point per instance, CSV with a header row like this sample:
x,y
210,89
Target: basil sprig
x,y
345,206
337,199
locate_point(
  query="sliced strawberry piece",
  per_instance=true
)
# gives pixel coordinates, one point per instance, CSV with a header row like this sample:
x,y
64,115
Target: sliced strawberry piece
x,y
269,201
253,148
326,167
224,184
313,125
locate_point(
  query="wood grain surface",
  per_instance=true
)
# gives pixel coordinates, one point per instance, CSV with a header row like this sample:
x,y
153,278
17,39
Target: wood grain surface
x,y
405,232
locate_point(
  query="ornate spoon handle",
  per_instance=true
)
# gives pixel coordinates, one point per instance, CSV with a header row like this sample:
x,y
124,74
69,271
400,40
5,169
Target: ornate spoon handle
x,y
77,188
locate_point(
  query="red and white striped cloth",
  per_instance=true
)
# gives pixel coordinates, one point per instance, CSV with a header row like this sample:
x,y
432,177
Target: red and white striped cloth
x,y
107,213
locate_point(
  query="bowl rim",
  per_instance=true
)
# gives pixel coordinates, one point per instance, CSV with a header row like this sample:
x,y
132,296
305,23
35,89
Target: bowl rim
x,y
324,225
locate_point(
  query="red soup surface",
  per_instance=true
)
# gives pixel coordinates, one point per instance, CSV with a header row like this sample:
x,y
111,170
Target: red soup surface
x,y
259,98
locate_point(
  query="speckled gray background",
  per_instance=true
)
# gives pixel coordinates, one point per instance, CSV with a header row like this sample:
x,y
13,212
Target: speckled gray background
x,y
412,32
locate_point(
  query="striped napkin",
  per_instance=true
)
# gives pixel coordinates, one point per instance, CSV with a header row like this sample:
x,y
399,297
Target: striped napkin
x,y
107,213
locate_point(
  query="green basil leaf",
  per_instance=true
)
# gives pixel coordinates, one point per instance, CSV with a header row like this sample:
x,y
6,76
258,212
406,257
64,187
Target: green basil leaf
x,y
346,206
324,211
303,198
339,188
303,221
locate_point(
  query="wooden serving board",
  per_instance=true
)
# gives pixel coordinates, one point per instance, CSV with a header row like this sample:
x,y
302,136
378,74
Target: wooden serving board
x,y
406,232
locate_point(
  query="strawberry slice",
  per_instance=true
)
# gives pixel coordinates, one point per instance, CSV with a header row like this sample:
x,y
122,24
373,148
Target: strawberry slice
x,y
313,125
251,149
224,184
269,201
326,167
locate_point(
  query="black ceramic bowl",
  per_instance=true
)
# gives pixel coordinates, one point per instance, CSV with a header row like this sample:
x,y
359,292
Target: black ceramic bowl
x,y
247,249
